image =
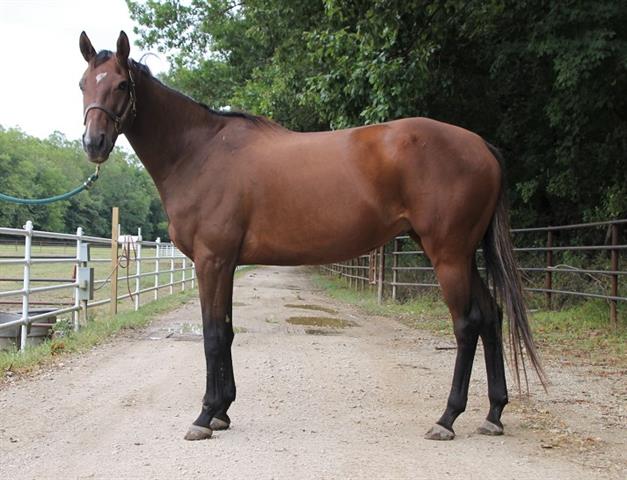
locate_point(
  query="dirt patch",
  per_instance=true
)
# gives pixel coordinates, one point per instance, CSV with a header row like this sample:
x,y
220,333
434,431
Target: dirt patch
x,y
316,308
319,331
328,322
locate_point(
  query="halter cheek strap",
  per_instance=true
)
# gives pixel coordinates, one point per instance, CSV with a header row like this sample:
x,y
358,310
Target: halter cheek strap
x,y
123,120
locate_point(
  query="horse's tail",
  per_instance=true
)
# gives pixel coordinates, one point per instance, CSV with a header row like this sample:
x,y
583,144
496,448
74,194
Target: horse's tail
x,y
502,267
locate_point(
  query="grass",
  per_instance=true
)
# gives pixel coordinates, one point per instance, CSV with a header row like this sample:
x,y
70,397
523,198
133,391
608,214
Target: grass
x,y
427,312
581,332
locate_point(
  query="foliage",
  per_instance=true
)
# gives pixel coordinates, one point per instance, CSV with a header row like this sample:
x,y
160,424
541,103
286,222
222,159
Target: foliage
x,y
34,168
544,81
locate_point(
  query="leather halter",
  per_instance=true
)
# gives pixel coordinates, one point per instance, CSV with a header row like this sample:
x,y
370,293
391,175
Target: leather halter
x,y
123,120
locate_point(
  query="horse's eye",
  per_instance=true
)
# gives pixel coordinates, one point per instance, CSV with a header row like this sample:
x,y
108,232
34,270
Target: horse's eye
x,y
123,86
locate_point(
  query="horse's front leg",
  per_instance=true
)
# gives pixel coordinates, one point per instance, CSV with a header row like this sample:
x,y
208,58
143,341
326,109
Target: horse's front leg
x,y
215,281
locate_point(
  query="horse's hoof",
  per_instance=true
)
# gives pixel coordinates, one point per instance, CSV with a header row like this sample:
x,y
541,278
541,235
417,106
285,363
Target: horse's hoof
x,y
489,428
438,432
219,424
197,432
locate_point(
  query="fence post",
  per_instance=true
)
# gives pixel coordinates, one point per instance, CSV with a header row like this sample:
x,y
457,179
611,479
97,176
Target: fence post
x,y
372,266
381,276
548,280
614,276
115,233
183,273
193,275
157,255
138,267
348,272
395,267
77,265
28,241
361,262
171,249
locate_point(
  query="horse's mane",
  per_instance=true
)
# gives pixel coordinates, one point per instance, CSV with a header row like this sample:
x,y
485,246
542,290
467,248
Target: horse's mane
x,y
256,120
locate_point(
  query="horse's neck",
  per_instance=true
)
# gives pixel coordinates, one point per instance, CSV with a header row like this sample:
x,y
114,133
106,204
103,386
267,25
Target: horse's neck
x,y
160,133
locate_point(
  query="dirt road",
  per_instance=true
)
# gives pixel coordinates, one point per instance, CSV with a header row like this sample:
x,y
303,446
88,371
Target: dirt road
x,y
313,403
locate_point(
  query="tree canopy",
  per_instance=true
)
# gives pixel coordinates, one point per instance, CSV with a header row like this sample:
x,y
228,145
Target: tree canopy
x,y
544,81
34,168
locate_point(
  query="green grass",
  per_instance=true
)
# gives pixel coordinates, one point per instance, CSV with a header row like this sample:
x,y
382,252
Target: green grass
x,y
581,332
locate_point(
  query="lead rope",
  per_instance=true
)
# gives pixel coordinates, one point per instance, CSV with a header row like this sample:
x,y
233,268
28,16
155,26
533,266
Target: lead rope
x,y
56,198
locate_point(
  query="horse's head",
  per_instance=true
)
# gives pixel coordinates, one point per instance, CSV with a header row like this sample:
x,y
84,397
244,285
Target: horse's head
x,y
108,97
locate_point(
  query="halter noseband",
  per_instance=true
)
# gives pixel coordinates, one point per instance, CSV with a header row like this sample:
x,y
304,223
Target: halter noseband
x,y
124,119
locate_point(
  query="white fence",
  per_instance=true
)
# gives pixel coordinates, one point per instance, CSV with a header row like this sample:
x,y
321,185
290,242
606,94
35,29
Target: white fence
x,y
157,267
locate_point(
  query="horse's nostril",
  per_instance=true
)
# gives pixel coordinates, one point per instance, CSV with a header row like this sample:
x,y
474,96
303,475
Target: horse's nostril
x,y
101,141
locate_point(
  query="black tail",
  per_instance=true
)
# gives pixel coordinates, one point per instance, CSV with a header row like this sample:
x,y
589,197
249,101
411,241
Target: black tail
x,y
502,267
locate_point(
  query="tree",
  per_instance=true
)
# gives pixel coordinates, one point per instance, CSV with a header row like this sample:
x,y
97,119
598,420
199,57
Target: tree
x,y
33,168
544,81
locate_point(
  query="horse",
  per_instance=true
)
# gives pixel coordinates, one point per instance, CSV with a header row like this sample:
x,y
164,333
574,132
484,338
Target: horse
x,y
240,189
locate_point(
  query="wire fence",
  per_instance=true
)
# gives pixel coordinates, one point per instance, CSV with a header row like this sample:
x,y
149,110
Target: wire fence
x,y
47,275
580,260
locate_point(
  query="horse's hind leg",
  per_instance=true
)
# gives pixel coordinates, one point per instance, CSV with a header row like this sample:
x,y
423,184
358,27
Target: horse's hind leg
x,y
492,339
454,275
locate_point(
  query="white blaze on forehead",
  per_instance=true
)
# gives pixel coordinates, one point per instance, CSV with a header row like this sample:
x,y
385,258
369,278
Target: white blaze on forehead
x,y
100,76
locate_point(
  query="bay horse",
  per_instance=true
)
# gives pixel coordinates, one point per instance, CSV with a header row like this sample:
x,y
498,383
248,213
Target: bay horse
x,y
240,189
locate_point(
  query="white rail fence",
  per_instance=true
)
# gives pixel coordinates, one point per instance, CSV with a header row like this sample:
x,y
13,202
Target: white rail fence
x,y
158,267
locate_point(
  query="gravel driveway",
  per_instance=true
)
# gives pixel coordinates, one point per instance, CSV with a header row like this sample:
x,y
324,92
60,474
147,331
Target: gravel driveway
x,y
341,396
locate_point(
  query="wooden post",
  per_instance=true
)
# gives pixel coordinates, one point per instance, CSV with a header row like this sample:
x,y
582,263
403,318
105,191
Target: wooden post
x,y
548,279
372,266
381,276
614,276
115,222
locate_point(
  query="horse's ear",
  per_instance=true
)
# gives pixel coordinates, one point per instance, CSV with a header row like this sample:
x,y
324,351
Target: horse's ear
x,y
123,49
87,49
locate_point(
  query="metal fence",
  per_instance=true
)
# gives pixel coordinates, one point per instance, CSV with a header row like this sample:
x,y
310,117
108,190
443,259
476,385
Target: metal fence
x,y
549,264
93,264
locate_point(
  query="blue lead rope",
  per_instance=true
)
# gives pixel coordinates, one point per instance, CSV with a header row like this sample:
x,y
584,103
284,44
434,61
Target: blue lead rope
x,y
44,201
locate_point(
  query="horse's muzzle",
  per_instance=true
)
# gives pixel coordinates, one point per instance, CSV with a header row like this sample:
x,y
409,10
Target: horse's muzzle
x,y
98,147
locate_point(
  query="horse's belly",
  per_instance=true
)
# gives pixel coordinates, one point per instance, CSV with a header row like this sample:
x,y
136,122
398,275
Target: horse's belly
x,y
306,242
